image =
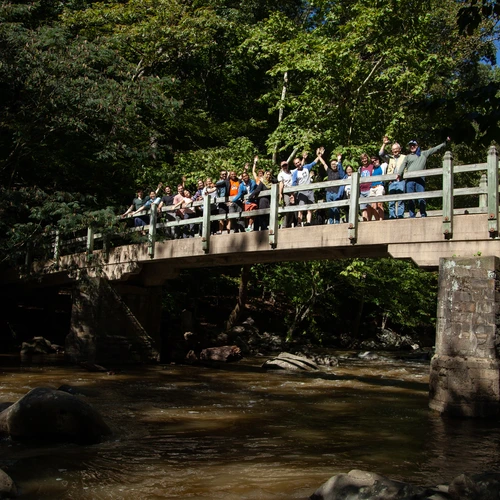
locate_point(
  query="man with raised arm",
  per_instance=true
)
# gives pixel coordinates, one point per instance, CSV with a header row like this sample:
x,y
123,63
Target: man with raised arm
x,y
414,161
334,172
396,208
301,176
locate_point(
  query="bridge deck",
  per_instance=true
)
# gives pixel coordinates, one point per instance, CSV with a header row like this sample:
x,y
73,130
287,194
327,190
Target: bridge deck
x,y
421,240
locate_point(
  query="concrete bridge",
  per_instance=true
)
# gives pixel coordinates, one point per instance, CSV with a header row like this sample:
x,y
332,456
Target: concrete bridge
x,y
463,242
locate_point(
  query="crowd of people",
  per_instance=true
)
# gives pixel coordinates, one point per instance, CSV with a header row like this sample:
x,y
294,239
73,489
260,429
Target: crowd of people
x,y
233,193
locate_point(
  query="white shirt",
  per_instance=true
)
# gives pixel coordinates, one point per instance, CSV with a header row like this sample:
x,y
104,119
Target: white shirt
x,y
285,178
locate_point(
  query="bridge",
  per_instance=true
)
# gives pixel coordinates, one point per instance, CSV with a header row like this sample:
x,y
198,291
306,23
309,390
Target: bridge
x,y
463,242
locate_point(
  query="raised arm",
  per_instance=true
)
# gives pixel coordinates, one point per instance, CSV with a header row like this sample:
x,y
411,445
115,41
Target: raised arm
x,y
435,148
323,162
319,154
339,166
254,169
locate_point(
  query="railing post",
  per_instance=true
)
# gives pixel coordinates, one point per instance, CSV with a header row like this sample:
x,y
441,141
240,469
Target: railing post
x,y
448,195
57,248
483,198
90,243
152,230
205,230
273,215
354,208
493,191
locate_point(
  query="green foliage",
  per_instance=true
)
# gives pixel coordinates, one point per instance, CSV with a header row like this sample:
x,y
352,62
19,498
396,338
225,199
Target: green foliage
x,y
322,298
99,98
72,117
29,218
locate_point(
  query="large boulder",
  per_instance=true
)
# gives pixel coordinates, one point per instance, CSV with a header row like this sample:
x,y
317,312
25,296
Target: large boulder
x,y
54,415
287,361
7,486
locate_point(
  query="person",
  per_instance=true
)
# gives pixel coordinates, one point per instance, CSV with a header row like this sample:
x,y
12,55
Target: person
x,y
377,188
232,190
301,177
396,208
263,180
198,195
185,211
137,203
414,161
334,193
167,200
365,170
143,220
178,200
247,187
285,181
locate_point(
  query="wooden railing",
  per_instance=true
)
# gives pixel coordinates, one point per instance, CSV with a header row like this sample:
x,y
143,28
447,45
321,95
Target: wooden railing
x,y
488,192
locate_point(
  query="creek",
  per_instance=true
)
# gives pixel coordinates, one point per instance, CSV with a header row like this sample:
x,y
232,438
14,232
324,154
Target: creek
x,y
237,432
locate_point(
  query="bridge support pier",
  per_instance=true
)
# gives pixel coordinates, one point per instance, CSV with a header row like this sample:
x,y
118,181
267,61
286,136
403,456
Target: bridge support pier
x,y
108,327
465,371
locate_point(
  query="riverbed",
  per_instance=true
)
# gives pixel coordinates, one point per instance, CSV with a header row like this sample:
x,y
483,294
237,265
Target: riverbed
x,y
236,432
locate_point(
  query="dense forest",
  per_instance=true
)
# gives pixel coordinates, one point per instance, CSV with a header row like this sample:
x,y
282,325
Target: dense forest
x,y
100,98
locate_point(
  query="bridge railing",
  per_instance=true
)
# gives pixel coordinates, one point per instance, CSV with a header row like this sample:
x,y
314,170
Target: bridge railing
x,y
487,191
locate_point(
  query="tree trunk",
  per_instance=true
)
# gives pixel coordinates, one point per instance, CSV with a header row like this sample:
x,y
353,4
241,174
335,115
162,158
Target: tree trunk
x,y
242,298
281,110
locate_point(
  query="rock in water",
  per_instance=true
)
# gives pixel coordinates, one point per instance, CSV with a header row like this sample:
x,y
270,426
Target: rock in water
x,y
38,345
287,361
359,485
53,415
7,487
225,353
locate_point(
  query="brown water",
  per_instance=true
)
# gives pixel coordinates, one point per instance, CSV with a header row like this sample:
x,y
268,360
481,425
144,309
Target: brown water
x,y
240,433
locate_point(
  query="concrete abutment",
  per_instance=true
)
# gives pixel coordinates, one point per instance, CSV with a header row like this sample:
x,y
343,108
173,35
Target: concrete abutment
x,y
114,324
465,370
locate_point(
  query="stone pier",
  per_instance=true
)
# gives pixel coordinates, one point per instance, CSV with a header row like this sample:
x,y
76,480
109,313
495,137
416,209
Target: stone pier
x,y
110,328
465,371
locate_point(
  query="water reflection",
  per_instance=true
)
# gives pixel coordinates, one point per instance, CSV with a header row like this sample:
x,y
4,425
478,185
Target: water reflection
x,y
240,433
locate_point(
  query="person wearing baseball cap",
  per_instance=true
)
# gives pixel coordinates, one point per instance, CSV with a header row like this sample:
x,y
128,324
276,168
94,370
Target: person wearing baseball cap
x,y
417,160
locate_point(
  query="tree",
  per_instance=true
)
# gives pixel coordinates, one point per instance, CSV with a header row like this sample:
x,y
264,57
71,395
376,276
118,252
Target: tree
x,y
73,119
354,69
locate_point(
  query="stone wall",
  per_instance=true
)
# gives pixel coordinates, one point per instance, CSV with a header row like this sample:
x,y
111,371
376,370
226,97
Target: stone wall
x,y
465,371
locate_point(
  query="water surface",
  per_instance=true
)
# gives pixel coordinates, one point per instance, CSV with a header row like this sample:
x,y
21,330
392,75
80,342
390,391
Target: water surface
x,y
240,433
